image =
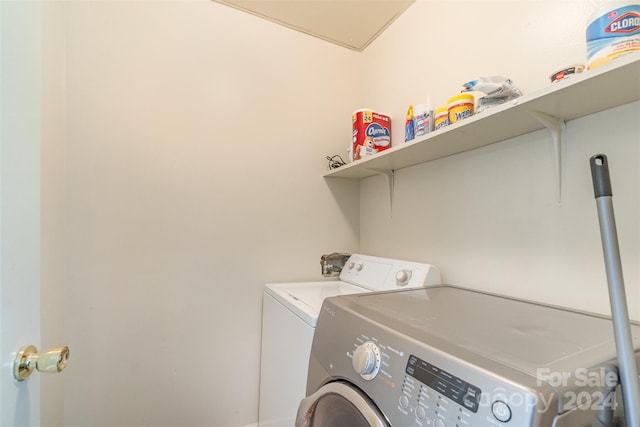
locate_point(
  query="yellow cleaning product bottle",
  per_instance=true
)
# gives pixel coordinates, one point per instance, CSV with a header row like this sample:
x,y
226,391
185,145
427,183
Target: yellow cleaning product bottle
x,y
409,125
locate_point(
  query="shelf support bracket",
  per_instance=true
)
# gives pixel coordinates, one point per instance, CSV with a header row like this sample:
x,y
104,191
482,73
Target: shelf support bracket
x,y
558,128
389,173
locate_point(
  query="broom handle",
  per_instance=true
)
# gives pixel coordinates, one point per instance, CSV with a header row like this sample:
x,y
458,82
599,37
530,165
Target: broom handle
x,y
617,298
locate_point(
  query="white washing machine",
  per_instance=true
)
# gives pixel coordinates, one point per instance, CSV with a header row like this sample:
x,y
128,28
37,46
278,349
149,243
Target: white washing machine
x,y
290,313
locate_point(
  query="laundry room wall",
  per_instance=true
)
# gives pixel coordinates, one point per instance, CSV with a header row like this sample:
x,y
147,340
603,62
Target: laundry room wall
x,y
187,173
183,174
490,218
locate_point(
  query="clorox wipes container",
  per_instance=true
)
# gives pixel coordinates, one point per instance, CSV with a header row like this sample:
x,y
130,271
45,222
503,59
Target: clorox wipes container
x,y
613,31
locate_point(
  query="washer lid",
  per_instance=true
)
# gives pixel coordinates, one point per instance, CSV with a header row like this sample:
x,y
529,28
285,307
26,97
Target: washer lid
x,y
305,299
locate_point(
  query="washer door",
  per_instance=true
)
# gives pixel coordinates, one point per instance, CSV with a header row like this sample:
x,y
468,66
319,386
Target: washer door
x,y
337,404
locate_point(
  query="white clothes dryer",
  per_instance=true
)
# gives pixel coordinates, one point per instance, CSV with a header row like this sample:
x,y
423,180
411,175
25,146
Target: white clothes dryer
x,y
290,313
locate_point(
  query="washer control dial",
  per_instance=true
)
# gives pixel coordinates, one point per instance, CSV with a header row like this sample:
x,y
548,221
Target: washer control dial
x,y
366,360
403,277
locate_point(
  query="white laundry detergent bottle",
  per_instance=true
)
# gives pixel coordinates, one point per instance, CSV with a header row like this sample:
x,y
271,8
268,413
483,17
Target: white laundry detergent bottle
x,y
613,31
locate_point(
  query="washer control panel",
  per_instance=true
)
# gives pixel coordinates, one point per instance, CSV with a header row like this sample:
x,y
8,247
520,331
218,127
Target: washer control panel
x,y
384,274
448,385
418,387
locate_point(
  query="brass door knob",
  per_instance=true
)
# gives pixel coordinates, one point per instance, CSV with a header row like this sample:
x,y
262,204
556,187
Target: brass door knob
x,y
28,359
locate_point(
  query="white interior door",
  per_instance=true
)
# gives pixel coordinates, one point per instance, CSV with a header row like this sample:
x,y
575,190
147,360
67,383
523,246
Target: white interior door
x,y
20,136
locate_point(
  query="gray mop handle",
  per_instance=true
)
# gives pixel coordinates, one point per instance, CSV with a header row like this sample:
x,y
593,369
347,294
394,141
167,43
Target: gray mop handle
x,y
617,298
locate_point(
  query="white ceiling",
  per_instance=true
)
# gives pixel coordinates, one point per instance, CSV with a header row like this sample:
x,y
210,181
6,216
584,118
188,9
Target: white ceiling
x,y
349,23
